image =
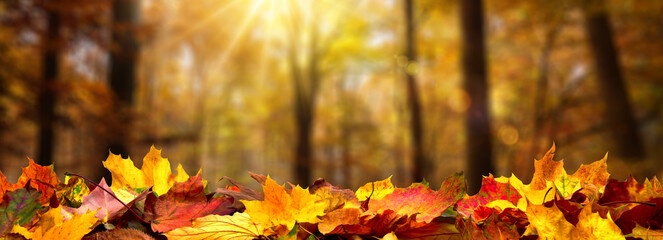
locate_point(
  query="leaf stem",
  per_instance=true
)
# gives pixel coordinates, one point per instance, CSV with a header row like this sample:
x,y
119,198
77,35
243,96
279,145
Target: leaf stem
x,y
617,202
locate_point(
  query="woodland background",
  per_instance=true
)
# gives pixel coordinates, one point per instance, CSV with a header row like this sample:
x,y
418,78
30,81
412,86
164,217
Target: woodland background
x,y
352,90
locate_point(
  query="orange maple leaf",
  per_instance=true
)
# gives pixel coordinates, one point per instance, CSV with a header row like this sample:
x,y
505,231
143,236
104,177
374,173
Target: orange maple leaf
x,y
284,209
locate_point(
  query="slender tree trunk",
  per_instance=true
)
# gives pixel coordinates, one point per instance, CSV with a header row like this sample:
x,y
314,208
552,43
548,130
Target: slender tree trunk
x,y
306,89
479,149
46,99
122,74
525,167
303,151
619,115
420,168
303,121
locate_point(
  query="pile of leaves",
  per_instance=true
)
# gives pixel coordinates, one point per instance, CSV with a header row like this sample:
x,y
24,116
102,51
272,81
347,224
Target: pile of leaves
x,y
154,203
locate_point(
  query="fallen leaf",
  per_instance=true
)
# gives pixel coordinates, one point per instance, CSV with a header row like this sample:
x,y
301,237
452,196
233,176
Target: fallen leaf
x,y
631,191
333,196
595,174
282,208
491,190
491,226
183,203
54,226
546,169
593,226
41,178
336,221
19,207
154,173
243,193
547,222
645,233
420,201
237,226
643,215
107,206
390,236
375,190
73,190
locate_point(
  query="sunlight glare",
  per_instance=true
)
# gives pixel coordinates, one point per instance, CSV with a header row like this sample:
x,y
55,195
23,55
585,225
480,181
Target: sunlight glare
x,y
242,29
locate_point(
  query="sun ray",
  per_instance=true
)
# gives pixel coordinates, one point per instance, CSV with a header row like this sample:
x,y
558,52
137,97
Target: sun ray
x,y
262,72
200,24
240,32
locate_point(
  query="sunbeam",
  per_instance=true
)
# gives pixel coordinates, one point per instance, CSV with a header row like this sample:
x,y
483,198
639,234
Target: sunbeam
x,y
204,21
240,32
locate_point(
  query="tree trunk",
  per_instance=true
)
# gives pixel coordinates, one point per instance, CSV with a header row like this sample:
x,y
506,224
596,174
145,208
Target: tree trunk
x,y
46,99
303,121
619,115
420,168
123,55
306,90
479,149
525,167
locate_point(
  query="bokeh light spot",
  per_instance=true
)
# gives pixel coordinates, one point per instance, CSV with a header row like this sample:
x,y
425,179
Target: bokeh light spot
x,y
508,135
459,100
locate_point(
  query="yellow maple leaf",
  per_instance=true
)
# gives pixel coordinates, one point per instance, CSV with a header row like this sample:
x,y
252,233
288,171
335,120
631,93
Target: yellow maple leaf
x,y
547,222
52,225
237,226
280,208
530,194
593,226
546,169
390,236
155,173
376,190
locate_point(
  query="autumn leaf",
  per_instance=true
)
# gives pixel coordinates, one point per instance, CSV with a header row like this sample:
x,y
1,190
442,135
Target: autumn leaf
x,y
631,190
547,222
491,190
592,226
645,233
41,178
4,185
154,173
645,215
595,174
546,169
183,203
236,226
241,193
390,236
107,206
375,190
18,207
73,190
53,226
333,196
282,208
490,226
429,204
336,221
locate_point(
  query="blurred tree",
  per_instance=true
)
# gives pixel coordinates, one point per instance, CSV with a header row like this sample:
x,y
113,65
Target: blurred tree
x,y
420,168
122,70
306,83
479,149
619,116
46,100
